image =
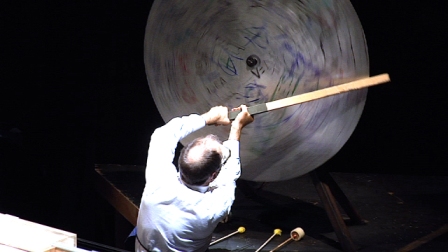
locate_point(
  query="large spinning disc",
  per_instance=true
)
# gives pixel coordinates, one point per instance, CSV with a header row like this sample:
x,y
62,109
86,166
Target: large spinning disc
x,y
199,54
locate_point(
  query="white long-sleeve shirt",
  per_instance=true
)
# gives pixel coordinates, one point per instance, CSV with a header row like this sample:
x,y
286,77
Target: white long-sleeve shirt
x,y
172,216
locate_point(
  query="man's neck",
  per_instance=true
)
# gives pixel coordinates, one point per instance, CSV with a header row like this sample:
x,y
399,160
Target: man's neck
x,y
198,188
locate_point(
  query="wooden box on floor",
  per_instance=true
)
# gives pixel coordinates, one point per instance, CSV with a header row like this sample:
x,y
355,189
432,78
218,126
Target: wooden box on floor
x,y
21,235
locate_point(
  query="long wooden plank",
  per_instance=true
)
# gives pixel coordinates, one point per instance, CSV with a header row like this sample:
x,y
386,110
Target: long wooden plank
x,y
427,238
314,95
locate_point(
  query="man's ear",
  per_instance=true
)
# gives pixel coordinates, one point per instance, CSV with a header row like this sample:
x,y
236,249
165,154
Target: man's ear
x,y
213,176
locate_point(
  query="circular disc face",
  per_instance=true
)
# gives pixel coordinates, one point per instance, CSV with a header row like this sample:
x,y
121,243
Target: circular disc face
x,y
200,54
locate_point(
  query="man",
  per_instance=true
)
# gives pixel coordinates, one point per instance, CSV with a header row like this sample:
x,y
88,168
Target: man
x,y
180,210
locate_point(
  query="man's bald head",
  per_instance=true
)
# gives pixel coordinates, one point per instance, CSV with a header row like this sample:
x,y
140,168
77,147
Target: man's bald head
x,y
200,159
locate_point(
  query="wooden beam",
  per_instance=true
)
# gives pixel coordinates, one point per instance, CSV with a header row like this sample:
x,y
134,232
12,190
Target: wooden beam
x,y
314,95
417,243
127,208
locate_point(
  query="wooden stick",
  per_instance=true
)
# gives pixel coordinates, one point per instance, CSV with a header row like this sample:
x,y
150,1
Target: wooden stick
x,y
296,234
281,245
276,232
240,230
314,95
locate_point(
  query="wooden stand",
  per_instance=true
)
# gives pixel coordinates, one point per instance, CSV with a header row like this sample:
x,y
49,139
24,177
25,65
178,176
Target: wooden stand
x,y
331,194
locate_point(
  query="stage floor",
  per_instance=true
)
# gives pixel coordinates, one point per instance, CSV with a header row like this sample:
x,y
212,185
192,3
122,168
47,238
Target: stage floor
x,y
404,212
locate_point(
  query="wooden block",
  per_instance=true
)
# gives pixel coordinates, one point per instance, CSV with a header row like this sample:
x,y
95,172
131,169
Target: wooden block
x,y
21,235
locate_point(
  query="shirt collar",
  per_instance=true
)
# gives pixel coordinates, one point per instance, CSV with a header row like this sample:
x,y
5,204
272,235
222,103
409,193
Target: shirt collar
x,y
198,188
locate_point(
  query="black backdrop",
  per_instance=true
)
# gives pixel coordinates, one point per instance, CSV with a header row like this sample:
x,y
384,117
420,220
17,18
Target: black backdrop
x,y
74,93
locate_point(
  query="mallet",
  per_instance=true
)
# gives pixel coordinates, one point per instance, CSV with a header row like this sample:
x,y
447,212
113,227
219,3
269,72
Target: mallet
x,y
276,232
240,230
296,234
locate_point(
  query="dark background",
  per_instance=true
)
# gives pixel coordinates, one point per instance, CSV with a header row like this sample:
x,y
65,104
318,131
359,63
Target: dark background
x,y
73,93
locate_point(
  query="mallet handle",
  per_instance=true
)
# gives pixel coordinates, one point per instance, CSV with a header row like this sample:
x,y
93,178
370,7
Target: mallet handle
x,y
281,245
222,238
264,244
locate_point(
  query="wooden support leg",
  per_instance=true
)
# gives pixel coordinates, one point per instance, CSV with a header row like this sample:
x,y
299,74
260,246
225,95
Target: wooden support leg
x,y
326,188
355,217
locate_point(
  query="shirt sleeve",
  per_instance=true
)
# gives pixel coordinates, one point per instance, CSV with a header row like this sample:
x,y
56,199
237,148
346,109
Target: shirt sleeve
x,y
223,187
164,141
